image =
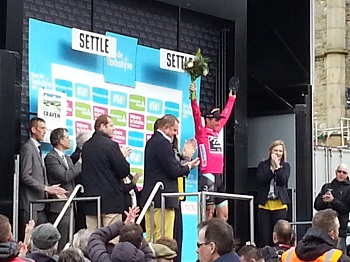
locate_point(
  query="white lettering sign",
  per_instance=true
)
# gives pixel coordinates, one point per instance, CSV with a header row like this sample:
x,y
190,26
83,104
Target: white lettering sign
x,y
93,43
172,60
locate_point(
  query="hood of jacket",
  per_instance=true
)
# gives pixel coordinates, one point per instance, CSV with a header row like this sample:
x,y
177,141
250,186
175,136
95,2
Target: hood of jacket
x,y
127,252
340,183
314,243
8,251
228,257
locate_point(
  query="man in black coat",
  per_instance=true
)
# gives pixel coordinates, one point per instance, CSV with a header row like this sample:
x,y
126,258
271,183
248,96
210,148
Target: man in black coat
x,y
161,165
104,167
336,195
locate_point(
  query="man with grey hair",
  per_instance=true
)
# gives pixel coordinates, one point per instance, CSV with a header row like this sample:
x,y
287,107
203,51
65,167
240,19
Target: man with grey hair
x,y
80,241
336,195
82,137
44,243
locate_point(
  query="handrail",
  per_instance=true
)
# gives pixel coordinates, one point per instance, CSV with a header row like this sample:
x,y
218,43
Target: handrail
x,y
67,204
202,202
232,196
76,199
164,195
149,200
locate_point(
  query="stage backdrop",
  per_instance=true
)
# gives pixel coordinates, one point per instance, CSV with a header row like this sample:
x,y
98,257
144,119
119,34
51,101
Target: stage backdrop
x,y
126,83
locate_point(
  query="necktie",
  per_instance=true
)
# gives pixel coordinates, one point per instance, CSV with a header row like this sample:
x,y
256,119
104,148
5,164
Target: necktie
x,y
40,151
65,161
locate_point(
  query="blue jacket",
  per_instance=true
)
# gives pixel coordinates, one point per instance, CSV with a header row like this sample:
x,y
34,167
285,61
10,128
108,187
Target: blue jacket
x,y
229,257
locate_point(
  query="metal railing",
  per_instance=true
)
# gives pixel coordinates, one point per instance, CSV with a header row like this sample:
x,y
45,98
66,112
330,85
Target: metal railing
x,y
157,186
15,199
67,204
71,214
202,206
164,195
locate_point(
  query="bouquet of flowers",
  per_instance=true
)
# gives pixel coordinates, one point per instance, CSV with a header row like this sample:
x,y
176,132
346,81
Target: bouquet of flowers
x,y
197,66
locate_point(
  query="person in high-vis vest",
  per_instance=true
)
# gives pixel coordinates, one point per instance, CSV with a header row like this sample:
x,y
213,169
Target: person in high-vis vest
x,y
319,242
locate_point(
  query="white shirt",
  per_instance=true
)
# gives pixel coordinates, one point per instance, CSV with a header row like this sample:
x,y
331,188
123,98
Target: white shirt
x,y
168,138
62,155
36,144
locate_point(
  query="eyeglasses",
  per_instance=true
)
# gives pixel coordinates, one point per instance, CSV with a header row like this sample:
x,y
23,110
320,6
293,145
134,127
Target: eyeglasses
x,y
341,171
201,244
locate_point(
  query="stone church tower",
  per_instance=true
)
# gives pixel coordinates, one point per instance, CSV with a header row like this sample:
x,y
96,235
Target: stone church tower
x,y
332,63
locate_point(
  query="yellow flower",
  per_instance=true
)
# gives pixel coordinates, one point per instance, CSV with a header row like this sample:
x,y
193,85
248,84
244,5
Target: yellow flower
x,y
205,72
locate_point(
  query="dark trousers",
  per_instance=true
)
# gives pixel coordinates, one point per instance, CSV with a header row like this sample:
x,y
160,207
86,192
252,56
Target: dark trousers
x,y
63,228
40,217
267,220
178,232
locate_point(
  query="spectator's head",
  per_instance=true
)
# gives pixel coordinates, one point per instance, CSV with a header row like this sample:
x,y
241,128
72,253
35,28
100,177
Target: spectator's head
x,y
282,232
81,239
82,137
250,253
45,239
127,252
5,229
169,125
37,128
279,148
215,238
71,255
327,221
212,118
104,124
169,242
163,253
341,173
59,139
131,233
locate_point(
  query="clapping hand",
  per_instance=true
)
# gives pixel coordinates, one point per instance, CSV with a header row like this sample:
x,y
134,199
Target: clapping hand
x,y
274,162
125,150
189,148
194,163
55,190
131,215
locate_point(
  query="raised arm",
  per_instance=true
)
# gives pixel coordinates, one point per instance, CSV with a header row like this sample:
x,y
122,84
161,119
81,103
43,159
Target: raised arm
x,y
227,110
195,109
98,240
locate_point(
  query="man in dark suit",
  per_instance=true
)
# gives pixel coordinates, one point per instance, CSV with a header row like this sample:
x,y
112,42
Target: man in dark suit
x,y
33,180
60,170
161,165
104,167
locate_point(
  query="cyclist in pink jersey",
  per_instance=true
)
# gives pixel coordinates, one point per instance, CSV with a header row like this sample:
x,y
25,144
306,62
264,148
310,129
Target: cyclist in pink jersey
x,y
211,151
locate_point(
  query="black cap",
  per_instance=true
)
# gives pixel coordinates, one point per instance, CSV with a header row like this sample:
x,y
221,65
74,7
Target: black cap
x,y
214,113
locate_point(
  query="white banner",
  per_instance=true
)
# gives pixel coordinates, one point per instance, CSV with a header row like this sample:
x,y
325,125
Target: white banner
x,y
172,60
52,107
